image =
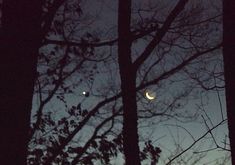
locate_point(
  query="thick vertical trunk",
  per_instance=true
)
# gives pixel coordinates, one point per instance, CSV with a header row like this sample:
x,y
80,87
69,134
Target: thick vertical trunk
x,y
128,85
229,67
19,42
130,129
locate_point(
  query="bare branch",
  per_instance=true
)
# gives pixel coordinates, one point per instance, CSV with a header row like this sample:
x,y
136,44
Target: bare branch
x,y
197,140
160,34
108,100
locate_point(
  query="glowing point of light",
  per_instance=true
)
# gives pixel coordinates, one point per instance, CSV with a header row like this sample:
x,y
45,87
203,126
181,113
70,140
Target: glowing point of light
x,y
86,94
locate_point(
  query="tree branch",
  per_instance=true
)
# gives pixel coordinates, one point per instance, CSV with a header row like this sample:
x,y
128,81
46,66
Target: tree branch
x,y
170,161
171,72
48,18
87,145
178,67
160,34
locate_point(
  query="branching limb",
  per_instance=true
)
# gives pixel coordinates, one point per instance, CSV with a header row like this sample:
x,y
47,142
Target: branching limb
x,y
160,34
197,140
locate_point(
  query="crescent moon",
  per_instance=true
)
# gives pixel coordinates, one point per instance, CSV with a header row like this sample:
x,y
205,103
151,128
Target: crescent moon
x,y
148,96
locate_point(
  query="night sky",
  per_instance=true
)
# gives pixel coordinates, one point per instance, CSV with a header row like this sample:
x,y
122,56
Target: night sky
x,y
186,103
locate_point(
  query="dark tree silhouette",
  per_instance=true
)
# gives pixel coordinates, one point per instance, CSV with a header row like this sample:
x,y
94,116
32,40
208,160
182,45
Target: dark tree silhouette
x,y
128,85
20,38
56,141
19,42
128,73
229,68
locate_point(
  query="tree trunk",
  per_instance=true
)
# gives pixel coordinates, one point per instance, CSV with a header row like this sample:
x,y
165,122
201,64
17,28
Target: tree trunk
x,y
128,85
19,43
229,68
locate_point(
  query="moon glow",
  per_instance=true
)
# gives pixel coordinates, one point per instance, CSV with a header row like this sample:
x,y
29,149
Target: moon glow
x,y
149,96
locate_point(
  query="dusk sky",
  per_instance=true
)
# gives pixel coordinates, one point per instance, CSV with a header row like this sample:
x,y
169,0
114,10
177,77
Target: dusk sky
x,y
186,103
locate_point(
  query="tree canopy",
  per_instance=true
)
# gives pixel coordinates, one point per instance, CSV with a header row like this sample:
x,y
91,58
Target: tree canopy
x,y
96,63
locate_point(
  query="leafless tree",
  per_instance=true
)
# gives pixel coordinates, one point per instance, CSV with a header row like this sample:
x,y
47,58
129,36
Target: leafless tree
x,y
175,52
